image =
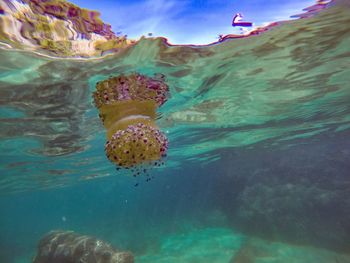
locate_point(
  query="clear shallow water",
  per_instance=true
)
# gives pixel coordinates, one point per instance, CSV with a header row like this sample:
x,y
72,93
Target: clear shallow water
x,y
259,155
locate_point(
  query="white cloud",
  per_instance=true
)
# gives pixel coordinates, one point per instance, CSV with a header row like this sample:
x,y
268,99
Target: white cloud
x,y
151,16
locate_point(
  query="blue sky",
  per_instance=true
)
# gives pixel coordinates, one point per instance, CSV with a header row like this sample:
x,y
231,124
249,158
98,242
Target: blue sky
x,y
189,21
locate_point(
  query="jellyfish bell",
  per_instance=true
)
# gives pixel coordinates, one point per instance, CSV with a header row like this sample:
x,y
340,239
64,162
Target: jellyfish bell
x,y
130,87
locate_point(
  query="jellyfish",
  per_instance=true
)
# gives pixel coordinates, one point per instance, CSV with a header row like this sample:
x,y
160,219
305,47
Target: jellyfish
x,y
127,107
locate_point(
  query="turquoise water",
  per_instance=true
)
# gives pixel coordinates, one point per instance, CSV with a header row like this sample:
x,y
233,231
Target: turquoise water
x,y
259,156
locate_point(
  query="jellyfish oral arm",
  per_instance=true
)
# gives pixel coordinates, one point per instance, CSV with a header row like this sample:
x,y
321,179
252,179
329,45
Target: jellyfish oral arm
x,y
133,117
113,113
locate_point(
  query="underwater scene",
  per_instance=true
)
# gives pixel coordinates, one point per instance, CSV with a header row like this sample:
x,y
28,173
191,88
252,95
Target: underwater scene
x,y
179,147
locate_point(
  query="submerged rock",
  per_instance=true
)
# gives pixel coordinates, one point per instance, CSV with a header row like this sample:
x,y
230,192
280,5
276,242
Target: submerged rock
x,y
70,247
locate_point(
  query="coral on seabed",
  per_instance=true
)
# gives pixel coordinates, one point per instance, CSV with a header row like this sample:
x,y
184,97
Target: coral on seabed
x,y
68,246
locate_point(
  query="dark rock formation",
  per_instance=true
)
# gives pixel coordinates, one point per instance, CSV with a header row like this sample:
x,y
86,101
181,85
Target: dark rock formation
x,y
70,247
